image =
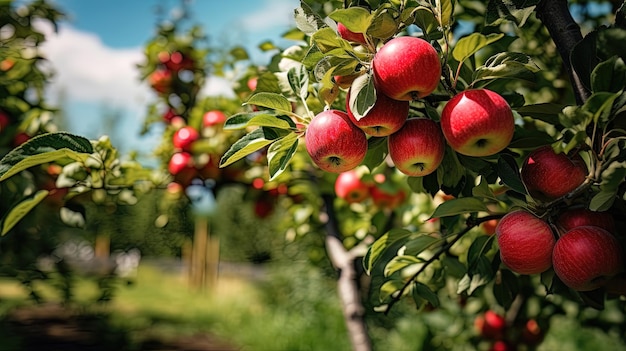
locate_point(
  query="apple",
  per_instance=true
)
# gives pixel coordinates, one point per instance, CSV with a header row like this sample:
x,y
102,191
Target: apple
x,y
213,117
169,115
20,138
185,137
386,117
5,121
417,149
349,35
525,242
477,122
350,187
548,175
263,207
490,325
581,216
586,257
406,68
6,64
334,143
161,81
501,345
181,167
384,198
532,333
345,82
252,83
489,227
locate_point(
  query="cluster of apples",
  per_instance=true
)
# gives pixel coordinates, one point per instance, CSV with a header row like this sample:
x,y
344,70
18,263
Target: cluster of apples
x,y
353,188
475,122
493,327
579,244
170,67
184,165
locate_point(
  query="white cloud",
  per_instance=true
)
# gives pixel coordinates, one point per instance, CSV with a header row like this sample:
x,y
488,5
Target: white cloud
x,y
274,13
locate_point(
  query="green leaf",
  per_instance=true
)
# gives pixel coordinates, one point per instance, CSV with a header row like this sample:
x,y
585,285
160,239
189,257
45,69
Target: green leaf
x,y
376,152
507,65
482,190
307,20
445,9
399,263
239,53
508,170
383,24
390,288
42,149
376,250
452,169
362,95
17,212
249,143
506,288
425,19
272,101
603,200
546,112
355,18
423,291
460,205
242,120
467,46
422,242
529,138
280,153
609,75
298,78
326,40
517,11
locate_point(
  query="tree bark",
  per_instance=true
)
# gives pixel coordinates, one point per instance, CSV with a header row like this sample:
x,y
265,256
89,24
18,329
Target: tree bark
x,y
565,32
347,282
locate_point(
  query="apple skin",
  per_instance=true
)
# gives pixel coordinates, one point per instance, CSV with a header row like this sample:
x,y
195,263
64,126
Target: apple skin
x,y
548,175
350,187
169,115
525,242
349,35
490,325
386,117
334,143
417,149
213,117
586,257
182,168
161,81
477,122
406,68
185,137
578,217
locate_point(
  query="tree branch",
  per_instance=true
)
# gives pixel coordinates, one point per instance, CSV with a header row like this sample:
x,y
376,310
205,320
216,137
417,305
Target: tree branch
x,y
565,32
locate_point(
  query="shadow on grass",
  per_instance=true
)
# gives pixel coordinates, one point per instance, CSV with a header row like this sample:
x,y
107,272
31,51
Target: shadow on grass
x,y
52,327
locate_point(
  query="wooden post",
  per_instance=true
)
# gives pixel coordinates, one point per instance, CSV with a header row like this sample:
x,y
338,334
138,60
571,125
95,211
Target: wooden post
x,y
212,262
199,253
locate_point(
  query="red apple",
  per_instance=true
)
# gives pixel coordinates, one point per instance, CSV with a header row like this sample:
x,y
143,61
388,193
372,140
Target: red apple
x,y
263,207
406,68
182,168
345,82
334,143
169,115
477,122
161,81
586,257
525,242
489,227
386,117
252,82
175,61
578,217
213,117
20,138
417,149
501,345
185,137
4,120
490,325
349,35
384,198
532,333
350,187
548,175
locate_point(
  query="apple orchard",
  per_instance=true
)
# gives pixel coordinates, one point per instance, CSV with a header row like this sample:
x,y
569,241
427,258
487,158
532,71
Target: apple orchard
x,y
450,164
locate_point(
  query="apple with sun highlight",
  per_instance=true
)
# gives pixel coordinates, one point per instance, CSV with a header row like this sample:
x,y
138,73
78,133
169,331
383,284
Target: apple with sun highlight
x,y
477,122
334,143
406,68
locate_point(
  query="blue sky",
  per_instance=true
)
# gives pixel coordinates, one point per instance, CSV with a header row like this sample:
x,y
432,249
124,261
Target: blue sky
x,y
95,52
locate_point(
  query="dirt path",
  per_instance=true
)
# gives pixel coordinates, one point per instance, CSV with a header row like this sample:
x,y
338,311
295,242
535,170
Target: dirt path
x,y
54,328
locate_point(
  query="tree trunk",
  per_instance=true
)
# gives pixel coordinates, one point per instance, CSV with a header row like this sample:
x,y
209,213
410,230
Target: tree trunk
x,y
347,282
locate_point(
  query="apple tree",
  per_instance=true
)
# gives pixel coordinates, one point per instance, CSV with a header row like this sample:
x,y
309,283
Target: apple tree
x,y
484,113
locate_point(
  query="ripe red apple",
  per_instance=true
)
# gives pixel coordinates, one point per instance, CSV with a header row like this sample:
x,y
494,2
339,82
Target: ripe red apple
x,y
489,227
349,35
548,175
386,117
169,115
586,257
417,149
406,68
182,168
501,345
477,122
578,217
4,120
384,198
213,117
252,82
185,137
20,138
161,81
525,242
334,143
532,333
490,325
350,187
